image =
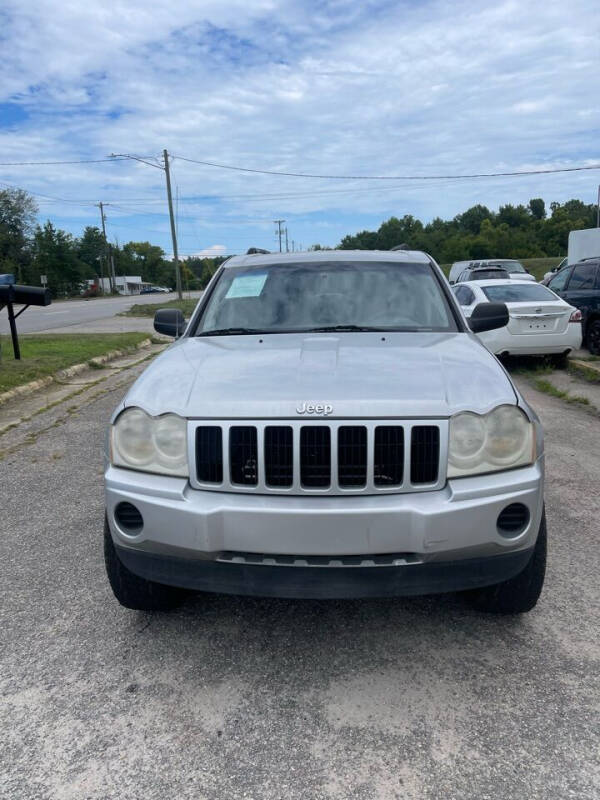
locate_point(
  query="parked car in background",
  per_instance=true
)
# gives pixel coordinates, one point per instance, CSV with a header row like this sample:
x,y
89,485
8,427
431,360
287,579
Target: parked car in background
x,y
539,322
552,272
579,285
514,268
482,273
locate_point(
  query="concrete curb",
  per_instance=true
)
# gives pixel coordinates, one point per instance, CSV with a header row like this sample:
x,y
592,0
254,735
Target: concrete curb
x,y
34,386
593,365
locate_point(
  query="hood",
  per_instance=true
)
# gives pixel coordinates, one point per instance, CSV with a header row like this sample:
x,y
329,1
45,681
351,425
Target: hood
x,y
357,374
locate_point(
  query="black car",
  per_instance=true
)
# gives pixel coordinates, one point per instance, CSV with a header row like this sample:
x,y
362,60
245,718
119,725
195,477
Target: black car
x,y
579,285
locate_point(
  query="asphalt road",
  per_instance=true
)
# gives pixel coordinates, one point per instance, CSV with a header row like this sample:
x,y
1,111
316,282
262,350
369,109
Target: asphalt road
x,y
243,698
77,312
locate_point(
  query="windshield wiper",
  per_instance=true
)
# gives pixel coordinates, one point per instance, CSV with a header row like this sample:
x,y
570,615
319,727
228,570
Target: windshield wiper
x,y
342,329
230,332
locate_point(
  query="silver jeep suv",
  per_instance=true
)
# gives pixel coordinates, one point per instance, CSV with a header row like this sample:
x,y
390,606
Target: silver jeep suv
x,y
326,425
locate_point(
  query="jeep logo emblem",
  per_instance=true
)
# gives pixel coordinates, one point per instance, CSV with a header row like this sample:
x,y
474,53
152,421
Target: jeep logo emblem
x,y
314,408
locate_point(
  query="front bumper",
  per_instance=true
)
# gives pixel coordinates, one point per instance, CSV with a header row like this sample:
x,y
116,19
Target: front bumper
x,y
449,537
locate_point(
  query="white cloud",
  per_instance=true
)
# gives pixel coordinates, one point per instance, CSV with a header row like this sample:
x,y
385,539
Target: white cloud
x,y
213,250
333,87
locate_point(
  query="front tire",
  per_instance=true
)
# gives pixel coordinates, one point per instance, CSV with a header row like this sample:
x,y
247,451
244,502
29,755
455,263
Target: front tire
x,y
519,594
132,591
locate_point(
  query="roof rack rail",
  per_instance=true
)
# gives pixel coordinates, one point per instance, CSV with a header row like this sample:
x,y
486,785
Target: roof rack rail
x,y
252,251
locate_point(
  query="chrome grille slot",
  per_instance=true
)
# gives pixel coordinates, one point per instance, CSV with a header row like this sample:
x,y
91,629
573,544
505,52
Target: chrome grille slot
x,y
389,455
209,454
243,455
329,457
279,455
352,455
424,454
315,456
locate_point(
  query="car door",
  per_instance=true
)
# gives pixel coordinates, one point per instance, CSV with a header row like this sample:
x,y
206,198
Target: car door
x,y
582,290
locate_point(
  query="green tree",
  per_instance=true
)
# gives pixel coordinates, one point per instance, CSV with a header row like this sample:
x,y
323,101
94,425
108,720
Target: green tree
x,y
91,248
147,260
537,208
363,240
55,254
17,219
470,220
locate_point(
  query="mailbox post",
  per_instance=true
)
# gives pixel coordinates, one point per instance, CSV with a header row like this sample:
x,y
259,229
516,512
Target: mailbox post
x,y
25,296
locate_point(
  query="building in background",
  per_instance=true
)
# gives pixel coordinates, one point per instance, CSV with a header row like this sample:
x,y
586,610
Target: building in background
x,y
125,284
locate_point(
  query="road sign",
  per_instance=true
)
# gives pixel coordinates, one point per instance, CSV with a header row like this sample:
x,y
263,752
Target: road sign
x,y
44,279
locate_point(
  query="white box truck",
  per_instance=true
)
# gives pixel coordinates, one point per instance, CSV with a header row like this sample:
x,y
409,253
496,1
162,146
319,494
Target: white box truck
x,y
583,244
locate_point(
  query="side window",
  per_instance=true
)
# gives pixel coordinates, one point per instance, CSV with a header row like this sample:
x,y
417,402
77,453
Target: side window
x,y
584,276
469,297
459,291
558,282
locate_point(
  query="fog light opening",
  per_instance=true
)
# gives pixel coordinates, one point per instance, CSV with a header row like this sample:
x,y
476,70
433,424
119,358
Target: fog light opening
x,y
513,520
129,518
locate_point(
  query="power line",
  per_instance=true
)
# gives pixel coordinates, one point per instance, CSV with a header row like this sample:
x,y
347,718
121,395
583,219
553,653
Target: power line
x,y
52,163
236,168
141,159
390,177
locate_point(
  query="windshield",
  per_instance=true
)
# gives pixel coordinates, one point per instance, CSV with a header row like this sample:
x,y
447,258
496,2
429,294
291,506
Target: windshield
x,y
518,293
486,274
353,295
512,266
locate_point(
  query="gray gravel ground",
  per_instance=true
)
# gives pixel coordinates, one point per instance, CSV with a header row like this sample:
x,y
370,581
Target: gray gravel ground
x,y
240,698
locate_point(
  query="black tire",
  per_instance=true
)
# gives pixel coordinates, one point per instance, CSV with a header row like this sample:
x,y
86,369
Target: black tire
x,y
519,594
132,591
592,337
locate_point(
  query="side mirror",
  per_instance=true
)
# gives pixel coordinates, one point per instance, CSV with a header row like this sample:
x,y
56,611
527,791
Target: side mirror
x,y
488,317
169,322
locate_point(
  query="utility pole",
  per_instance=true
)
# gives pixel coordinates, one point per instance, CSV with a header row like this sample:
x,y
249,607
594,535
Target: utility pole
x,y
598,210
293,246
104,261
173,234
287,247
278,222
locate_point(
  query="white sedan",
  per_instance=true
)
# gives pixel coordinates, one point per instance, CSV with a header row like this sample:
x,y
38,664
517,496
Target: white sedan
x,y
540,322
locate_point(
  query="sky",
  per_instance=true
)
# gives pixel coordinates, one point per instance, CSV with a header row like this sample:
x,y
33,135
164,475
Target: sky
x,y
370,88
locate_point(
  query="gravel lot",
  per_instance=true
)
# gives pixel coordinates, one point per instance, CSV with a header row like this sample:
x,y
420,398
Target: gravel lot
x,y
242,698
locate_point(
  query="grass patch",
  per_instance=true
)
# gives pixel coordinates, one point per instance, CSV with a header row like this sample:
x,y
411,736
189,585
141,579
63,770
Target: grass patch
x,y
542,385
587,373
149,309
45,355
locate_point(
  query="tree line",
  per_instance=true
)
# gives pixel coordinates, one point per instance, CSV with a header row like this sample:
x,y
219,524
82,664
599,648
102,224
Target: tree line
x,y
514,231
30,250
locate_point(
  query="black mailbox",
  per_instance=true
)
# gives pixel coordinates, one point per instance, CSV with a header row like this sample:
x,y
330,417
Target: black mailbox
x,y
25,296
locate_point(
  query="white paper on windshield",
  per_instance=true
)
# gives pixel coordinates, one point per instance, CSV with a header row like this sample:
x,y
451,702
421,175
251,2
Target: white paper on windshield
x,y
246,285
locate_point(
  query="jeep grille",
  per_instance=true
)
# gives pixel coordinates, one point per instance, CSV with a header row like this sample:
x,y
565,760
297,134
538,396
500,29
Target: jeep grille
x,y
327,457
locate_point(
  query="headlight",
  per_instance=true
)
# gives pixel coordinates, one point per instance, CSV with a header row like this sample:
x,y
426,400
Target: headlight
x,y
150,444
502,439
